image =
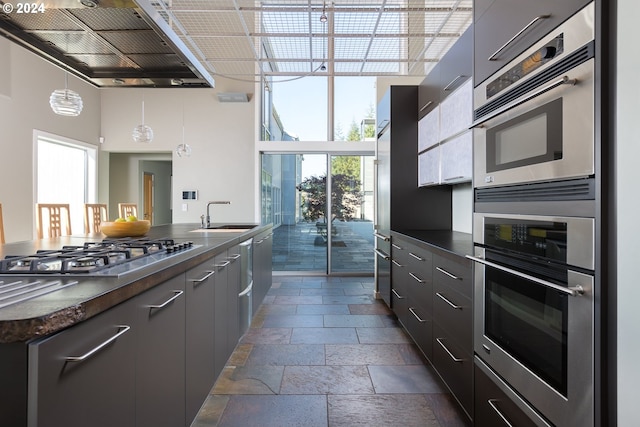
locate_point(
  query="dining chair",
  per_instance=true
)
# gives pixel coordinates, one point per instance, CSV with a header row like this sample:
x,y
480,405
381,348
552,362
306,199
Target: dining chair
x,y
94,214
127,209
1,226
58,216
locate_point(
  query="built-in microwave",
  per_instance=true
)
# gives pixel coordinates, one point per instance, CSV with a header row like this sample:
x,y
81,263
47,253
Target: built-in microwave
x,y
535,116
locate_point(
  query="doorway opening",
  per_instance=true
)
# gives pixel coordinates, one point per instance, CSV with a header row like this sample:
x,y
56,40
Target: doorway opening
x,y
313,232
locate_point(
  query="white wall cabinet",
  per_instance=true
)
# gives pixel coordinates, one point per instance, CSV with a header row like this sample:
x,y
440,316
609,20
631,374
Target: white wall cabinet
x,y
456,159
429,130
429,167
445,143
456,111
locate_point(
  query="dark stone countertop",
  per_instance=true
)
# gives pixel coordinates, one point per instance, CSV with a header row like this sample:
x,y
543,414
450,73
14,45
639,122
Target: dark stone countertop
x,y
453,242
46,314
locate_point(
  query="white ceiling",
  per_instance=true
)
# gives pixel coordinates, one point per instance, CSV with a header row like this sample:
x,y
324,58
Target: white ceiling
x,y
360,37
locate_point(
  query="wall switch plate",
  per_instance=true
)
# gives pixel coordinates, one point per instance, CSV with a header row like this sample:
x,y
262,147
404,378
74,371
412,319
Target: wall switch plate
x,y
185,207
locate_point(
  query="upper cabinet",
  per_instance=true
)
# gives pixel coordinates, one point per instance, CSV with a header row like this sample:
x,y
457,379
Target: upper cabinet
x,y
444,116
505,28
450,73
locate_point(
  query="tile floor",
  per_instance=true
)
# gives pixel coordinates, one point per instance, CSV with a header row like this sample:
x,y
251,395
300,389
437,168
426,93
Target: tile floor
x,y
323,352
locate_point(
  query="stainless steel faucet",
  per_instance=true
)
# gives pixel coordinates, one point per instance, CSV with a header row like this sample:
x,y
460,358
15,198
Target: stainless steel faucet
x,y
215,202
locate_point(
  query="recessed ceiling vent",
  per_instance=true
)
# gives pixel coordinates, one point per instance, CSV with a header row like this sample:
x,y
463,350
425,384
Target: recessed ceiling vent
x,y
233,97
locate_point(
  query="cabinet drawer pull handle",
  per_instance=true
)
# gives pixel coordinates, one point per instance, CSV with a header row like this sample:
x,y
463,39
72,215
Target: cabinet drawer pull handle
x,y
416,278
492,403
234,257
123,329
416,256
413,311
428,183
176,294
381,236
396,294
445,299
425,106
447,87
516,36
204,278
396,246
455,359
223,265
454,178
382,255
443,271
259,242
397,263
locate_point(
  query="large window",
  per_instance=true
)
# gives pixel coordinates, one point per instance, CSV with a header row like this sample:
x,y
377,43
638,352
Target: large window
x,y
300,109
66,173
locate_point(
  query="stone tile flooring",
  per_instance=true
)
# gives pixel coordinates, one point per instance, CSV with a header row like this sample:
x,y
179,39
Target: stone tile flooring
x,y
323,352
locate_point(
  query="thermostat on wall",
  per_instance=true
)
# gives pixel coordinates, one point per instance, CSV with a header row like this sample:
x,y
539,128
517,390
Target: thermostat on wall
x,y
190,195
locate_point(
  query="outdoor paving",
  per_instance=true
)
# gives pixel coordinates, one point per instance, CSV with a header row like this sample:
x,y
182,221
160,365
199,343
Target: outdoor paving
x,y
301,247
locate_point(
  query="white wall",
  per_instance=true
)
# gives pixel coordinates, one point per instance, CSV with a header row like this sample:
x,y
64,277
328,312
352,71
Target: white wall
x,y
628,207
222,136
27,83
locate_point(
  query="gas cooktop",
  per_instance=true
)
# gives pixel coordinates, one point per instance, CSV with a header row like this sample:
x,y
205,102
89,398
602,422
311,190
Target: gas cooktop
x,y
110,257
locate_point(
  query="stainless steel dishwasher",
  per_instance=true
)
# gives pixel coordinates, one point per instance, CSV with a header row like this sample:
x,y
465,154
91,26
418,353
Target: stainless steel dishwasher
x,y
245,297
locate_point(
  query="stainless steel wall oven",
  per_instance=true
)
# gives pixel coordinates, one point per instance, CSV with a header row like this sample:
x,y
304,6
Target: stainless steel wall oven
x,y
533,309
535,117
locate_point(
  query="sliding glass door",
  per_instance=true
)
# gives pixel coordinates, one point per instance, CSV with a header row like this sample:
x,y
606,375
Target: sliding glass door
x,y
313,232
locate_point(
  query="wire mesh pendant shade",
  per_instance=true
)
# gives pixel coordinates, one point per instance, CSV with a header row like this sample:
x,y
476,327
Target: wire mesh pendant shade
x,y
183,150
142,133
66,102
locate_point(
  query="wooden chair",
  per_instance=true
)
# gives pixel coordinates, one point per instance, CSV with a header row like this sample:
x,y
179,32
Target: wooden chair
x,y
126,209
94,214
59,219
1,226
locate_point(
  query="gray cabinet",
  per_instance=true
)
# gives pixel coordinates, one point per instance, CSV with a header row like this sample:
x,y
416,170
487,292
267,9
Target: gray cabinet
x,y
262,267
453,325
220,312
199,348
419,298
399,265
86,374
495,404
233,289
453,69
432,297
160,354
503,29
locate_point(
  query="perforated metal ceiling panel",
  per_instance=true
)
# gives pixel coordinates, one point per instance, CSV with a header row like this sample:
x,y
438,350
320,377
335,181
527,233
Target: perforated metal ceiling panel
x,y
195,40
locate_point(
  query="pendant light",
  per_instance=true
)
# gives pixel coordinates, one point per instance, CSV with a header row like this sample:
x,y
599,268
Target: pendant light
x,y
142,133
66,102
183,149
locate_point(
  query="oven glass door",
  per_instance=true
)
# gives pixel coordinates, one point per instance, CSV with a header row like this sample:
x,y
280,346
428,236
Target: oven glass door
x,y
531,138
529,321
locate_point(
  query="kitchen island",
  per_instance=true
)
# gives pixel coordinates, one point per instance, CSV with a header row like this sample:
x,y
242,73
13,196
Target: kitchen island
x,y
163,314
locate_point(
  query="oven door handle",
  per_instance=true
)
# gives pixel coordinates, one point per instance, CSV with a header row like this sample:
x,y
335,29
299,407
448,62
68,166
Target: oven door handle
x,y
573,291
564,80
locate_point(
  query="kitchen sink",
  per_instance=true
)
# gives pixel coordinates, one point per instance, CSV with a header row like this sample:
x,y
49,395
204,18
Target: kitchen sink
x,y
228,227
231,227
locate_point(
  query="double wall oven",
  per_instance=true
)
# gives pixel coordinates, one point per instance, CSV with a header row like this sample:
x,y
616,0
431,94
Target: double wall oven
x,y
534,228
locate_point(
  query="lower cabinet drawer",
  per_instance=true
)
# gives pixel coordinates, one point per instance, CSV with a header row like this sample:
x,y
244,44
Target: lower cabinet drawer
x,y
455,366
454,313
493,405
454,271
419,325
